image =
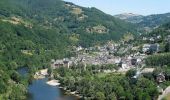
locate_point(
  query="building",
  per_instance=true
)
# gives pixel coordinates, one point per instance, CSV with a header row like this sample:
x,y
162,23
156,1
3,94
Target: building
x,y
79,48
154,48
125,66
57,64
150,48
147,70
61,63
146,47
133,61
160,78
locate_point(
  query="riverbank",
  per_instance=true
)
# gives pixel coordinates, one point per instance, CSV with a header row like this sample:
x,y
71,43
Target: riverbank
x,y
69,92
53,82
40,90
41,74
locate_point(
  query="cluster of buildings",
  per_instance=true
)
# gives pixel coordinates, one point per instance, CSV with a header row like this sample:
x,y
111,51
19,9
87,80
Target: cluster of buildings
x,y
153,46
100,55
153,38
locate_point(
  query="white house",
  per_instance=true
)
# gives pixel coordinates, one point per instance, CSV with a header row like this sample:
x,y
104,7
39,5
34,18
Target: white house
x,y
125,66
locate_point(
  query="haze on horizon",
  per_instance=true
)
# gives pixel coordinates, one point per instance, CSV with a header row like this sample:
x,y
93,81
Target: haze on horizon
x,y
113,7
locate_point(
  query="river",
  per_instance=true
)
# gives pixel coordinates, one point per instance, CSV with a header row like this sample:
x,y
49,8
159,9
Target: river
x,y
39,90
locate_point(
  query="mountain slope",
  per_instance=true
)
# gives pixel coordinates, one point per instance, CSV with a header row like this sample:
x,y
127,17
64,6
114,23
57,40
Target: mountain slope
x,y
150,21
155,20
32,32
67,18
130,17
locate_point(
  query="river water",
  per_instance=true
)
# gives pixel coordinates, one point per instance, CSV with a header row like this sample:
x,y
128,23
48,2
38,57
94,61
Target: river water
x,y
39,90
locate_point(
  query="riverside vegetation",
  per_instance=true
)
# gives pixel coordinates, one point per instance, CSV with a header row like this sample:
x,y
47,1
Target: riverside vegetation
x,y
32,32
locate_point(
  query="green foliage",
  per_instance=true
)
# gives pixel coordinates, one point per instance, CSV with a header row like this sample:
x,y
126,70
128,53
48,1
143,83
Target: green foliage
x,y
131,73
32,32
109,87
54,14
167,47
158,59
3,87
15,77
100,96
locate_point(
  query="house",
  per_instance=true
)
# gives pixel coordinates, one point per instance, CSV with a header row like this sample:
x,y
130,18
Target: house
x,y
58,63
146,47
79,48
160,78
133,61
167,38
150,48
125,66
147,70
144,38
152,39
67,63
158,37
61,63
154,47
117,60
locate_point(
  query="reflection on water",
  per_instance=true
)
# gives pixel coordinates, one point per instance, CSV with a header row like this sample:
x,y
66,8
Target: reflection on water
x,y
39,90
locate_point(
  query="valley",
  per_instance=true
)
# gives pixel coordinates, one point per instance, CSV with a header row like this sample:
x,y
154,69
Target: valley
x,y
69,51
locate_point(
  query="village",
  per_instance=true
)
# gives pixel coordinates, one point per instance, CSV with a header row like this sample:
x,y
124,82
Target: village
x,y
108,54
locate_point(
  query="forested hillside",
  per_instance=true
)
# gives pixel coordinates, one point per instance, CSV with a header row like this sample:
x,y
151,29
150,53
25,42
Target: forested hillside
x,y
148,23
32,32
84,26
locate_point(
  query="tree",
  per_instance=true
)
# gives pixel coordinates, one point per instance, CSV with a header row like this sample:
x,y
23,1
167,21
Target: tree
x,y
167,74
167,47
13,65
107,88
3,87
15,76
111,96
131,73
100,96
49,71
146,96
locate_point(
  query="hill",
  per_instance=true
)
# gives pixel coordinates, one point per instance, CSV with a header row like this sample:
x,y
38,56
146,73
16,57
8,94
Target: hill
x,y
130,17
32,32
147,22
67,18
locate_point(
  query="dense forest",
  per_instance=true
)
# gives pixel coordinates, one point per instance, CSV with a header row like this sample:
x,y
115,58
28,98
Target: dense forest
x,y
32,32
84,26
107,86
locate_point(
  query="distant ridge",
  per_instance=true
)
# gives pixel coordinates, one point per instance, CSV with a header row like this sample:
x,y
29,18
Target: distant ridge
x,y
150,21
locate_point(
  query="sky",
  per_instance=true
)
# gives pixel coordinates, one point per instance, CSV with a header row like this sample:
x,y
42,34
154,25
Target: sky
x,y
113,7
